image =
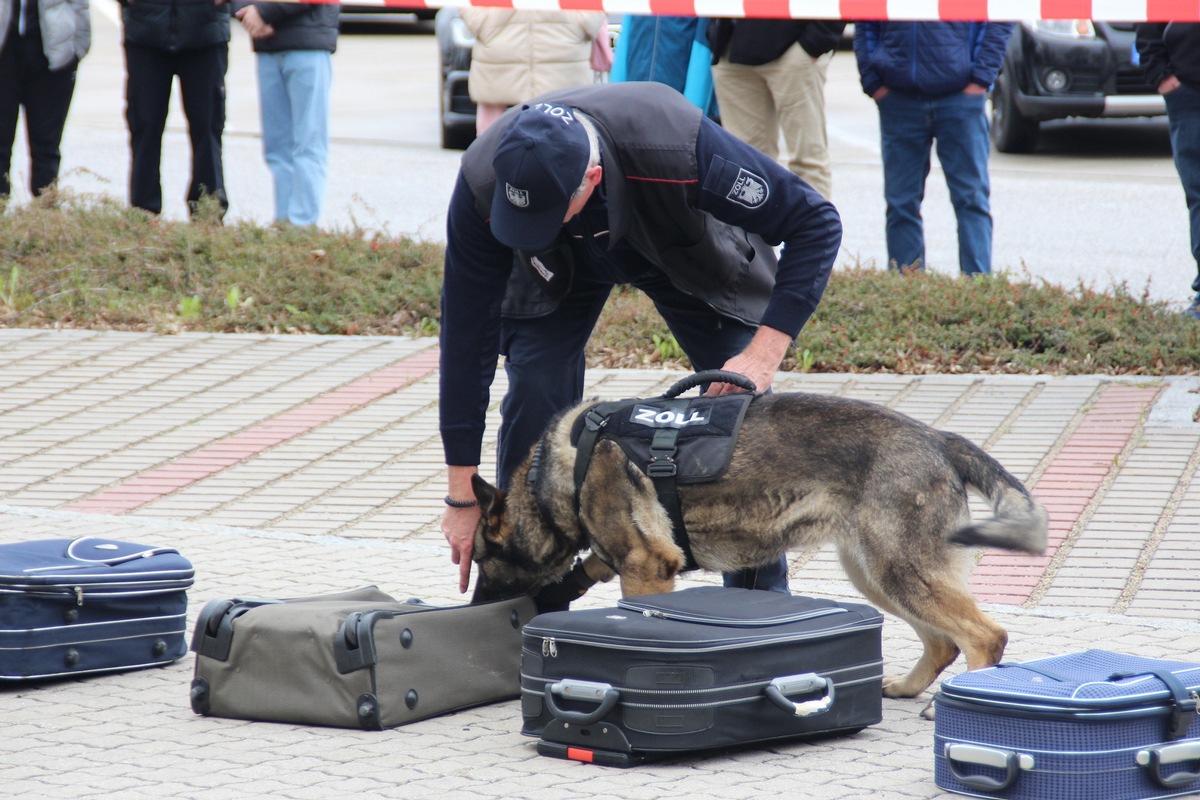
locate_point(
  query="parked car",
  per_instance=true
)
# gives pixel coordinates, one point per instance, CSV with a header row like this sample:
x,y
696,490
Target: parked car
x,y
1055,69
454,53
421,12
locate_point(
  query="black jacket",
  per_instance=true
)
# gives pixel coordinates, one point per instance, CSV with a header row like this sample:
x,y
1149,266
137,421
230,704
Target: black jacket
x,y
760,41
1170,49
298,26
175,25
681,196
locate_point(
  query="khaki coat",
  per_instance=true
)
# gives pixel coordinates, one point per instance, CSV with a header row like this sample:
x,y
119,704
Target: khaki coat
x,y
522,54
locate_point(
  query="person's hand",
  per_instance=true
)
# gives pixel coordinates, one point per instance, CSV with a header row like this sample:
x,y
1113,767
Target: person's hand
x,y
253,22
880,93
759,361
458,526
1169,84
974,88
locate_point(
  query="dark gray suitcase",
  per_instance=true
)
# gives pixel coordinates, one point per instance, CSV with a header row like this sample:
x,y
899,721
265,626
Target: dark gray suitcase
x,y
357,660
698,669
80,606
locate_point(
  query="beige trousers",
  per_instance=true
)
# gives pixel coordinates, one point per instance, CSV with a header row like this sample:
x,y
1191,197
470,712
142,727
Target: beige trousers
x,y
786,96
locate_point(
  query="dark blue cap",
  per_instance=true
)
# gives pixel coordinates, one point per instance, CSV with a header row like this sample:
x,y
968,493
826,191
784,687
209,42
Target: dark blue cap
x,y
539,164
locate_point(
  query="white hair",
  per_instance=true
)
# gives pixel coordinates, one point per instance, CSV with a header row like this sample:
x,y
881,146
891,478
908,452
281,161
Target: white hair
x,y
593,150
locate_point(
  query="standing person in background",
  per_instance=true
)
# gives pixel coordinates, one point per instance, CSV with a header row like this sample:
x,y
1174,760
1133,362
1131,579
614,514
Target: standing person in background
x,y
522,54
163,39
294,43
670,50
1171,53
769,77
930,81
43,42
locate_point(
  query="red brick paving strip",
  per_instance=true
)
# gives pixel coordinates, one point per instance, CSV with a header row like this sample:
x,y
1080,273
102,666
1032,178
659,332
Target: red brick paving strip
x,y
213,458
1067,488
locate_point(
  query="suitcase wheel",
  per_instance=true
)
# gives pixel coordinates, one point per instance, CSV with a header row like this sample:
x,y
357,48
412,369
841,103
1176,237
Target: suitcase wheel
x,y
199,696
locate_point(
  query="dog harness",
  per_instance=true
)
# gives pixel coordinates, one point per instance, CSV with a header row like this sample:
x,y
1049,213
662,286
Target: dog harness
x,y
672,440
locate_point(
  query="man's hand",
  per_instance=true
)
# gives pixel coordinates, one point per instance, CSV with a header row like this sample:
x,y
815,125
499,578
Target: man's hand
x,y
252,21
880,93
459,524
1169,84
759,361
974,88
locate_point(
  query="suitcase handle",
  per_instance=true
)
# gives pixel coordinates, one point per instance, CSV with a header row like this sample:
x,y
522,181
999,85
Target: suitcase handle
x,y
1154,758
778,690
1011,762
587,691
709,376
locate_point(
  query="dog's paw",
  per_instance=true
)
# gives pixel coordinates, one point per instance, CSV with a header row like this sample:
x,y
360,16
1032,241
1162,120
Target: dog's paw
x,y
929,711
899,687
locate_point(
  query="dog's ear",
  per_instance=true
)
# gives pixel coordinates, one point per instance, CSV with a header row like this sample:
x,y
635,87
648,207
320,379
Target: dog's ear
x,y
491,499
491,515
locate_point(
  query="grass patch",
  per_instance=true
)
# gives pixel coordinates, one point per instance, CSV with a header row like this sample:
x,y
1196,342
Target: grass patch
x,y
87,263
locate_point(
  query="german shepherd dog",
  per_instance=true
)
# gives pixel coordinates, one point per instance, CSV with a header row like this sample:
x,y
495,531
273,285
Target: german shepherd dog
x,y
890,492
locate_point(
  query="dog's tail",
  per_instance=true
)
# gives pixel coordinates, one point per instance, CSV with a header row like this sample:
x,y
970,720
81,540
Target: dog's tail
x,y
1020,522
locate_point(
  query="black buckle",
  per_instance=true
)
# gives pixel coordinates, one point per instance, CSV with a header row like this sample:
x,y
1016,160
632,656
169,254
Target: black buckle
x,y
662,467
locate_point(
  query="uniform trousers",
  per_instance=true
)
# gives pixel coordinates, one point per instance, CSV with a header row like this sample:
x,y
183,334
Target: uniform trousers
x,y
544,362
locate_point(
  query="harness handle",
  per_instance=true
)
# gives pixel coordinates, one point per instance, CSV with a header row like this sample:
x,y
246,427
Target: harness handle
x,y
710,376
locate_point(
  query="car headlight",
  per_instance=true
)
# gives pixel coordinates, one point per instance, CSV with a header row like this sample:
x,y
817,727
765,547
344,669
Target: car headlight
x,y
1065,28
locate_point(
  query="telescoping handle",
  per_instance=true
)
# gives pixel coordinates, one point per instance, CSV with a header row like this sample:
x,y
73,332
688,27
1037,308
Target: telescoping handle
x,y
586,691
1010,761
710,376
1155,758
777,692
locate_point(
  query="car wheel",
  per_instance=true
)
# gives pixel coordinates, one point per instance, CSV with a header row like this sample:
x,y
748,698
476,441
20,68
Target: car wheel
x,y
1011,131
456,138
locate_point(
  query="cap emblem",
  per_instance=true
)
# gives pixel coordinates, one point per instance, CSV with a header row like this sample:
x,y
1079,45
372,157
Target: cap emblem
x,y
518,197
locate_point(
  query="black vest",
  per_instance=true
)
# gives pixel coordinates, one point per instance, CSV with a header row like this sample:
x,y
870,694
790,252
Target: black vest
x,y
648,132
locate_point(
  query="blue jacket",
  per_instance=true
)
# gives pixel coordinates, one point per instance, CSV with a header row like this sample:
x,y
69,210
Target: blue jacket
x,y
929,58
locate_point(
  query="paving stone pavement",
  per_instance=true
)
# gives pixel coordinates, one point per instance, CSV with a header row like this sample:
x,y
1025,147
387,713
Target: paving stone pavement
x,y
292,465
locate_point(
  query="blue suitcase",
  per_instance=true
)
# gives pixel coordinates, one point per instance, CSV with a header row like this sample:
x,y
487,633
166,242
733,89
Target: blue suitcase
x,y
1083,726
73,607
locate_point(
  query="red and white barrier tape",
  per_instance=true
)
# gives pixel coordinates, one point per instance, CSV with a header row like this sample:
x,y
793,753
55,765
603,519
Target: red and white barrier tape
x,y
1123,10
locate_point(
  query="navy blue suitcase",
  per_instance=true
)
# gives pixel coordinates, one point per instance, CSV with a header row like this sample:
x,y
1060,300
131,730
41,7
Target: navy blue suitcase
x,y
698,669
1084,726
78,606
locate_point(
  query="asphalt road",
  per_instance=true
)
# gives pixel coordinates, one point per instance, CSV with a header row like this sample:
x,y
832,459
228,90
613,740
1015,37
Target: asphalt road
x,y
1098,203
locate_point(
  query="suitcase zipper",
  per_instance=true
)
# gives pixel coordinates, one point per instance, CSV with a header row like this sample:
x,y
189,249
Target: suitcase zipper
x,y
733,622
550,644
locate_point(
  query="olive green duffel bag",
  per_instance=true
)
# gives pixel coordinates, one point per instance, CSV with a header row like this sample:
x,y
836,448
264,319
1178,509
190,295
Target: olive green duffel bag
x,y
358,659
